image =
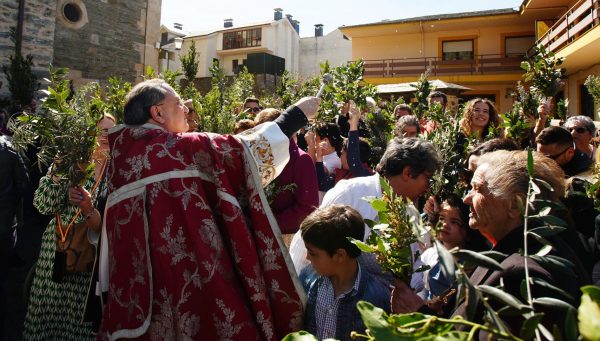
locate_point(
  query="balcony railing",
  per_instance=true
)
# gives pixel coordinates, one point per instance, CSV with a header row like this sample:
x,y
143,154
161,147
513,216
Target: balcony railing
x,y
481,65
579,19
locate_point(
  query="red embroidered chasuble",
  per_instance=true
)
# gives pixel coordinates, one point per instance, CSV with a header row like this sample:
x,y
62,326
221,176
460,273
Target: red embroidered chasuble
x,y
194,252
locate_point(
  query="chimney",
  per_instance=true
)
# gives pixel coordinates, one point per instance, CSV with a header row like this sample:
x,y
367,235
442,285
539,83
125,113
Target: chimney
x,y
178,26
318,30
289,17
278,14
296,25
228,23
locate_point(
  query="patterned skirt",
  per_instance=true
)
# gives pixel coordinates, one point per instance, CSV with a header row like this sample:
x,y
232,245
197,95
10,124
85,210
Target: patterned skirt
x,y
55,310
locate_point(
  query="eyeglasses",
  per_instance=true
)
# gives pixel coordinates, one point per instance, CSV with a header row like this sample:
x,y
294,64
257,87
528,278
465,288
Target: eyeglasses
x,y
254,110
179,102
578,130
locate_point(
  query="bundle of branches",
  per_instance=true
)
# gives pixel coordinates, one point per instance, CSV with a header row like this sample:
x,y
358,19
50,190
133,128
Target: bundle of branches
x,y
291,89
347,85
543,70
380,125
445,140
592,83
399,226
64,130
422,91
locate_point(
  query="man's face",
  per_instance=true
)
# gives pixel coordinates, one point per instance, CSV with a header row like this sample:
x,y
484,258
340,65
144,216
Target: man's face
x,y
253,107
173,113
320,260
562,155
410,187
410,131
488,213
438,100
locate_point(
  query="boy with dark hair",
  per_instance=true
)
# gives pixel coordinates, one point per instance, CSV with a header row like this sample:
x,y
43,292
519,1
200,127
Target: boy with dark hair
x,y
339,282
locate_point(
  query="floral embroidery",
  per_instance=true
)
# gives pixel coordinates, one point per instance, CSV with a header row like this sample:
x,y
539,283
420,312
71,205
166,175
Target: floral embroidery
x,y
261,150
225,328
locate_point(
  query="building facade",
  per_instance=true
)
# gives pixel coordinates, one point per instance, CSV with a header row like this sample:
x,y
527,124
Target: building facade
x,y
333,47
479,50
94,39
573,33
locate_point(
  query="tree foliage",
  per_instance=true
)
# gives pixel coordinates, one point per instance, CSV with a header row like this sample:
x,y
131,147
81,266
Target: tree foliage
x,y
189,63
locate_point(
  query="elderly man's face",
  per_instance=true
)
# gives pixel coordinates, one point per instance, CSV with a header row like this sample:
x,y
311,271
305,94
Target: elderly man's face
x,y
173,113
488,214
580,134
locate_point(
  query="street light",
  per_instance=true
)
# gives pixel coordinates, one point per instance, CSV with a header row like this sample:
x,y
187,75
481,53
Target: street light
x,y
173,46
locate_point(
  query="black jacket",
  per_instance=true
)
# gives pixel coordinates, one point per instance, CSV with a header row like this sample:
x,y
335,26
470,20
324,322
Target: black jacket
x,y
13,184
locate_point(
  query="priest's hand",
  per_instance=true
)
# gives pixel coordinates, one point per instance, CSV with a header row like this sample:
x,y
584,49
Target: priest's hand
x,y
309,106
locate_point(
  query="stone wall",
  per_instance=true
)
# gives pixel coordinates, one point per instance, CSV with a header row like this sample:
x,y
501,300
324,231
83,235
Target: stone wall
x,y
113,42
38,35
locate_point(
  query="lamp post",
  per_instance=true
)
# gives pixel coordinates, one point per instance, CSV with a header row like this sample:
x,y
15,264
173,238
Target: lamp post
x,y
173,46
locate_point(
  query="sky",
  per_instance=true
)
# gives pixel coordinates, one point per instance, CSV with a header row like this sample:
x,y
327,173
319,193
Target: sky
x,y
199,16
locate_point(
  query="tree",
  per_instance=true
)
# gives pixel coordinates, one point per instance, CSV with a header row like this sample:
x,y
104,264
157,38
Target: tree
x,y
22,82
189,63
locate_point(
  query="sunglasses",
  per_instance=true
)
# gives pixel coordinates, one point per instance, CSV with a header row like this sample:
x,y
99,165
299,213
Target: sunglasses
x,y
578,130
554,157
254,110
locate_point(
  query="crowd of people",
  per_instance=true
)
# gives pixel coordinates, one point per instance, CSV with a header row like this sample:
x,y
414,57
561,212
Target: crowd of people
x,y
196,235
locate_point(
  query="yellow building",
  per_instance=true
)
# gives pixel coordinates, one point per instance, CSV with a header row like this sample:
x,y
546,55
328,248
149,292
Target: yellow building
x,y
573,34
480,50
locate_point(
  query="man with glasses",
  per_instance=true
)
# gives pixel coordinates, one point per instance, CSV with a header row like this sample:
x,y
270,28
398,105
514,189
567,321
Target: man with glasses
x,y
251,106
557,144
407,164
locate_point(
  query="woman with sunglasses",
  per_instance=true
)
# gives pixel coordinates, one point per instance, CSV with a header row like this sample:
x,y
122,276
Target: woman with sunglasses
x,y
583,129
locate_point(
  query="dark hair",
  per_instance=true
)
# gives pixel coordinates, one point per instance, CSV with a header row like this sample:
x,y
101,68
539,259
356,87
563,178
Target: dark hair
x,y
250,100
332,132
493,145
406,121
243,125
421,156
438,94
141,98
404,107
555,135
329,227
474,240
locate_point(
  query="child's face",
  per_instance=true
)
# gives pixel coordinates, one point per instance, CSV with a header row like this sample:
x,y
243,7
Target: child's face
x,y
320,260
454,231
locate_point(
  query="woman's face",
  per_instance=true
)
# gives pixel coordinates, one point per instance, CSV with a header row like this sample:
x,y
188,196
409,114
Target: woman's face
x,y
454,229
581,136
481,115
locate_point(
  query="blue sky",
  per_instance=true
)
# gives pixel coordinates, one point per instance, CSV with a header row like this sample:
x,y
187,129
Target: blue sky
x,y
197,15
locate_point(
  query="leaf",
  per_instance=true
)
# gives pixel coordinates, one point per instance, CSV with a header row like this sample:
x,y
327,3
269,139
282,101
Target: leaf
x,y
379,205
545,184
547,231
530,165
552,303
534,188
544,211
362,246
300,336
503,296
544,250
547,334
530,325
552,220
497,256
375,320
478,259
589,313
542,283
555,263
571,332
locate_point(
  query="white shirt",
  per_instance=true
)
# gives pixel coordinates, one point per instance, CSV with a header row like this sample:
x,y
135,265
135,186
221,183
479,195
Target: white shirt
x,y
331,162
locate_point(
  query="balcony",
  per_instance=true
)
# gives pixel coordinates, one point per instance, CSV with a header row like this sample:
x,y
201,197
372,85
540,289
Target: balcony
x,y
578,20
481,65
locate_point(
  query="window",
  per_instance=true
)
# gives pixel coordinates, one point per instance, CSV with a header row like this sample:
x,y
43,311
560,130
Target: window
x,y
241,39
235,66
457,50
518,46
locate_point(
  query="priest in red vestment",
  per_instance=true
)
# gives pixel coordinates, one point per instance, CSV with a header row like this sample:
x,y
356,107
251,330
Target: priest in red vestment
x,y
190,248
